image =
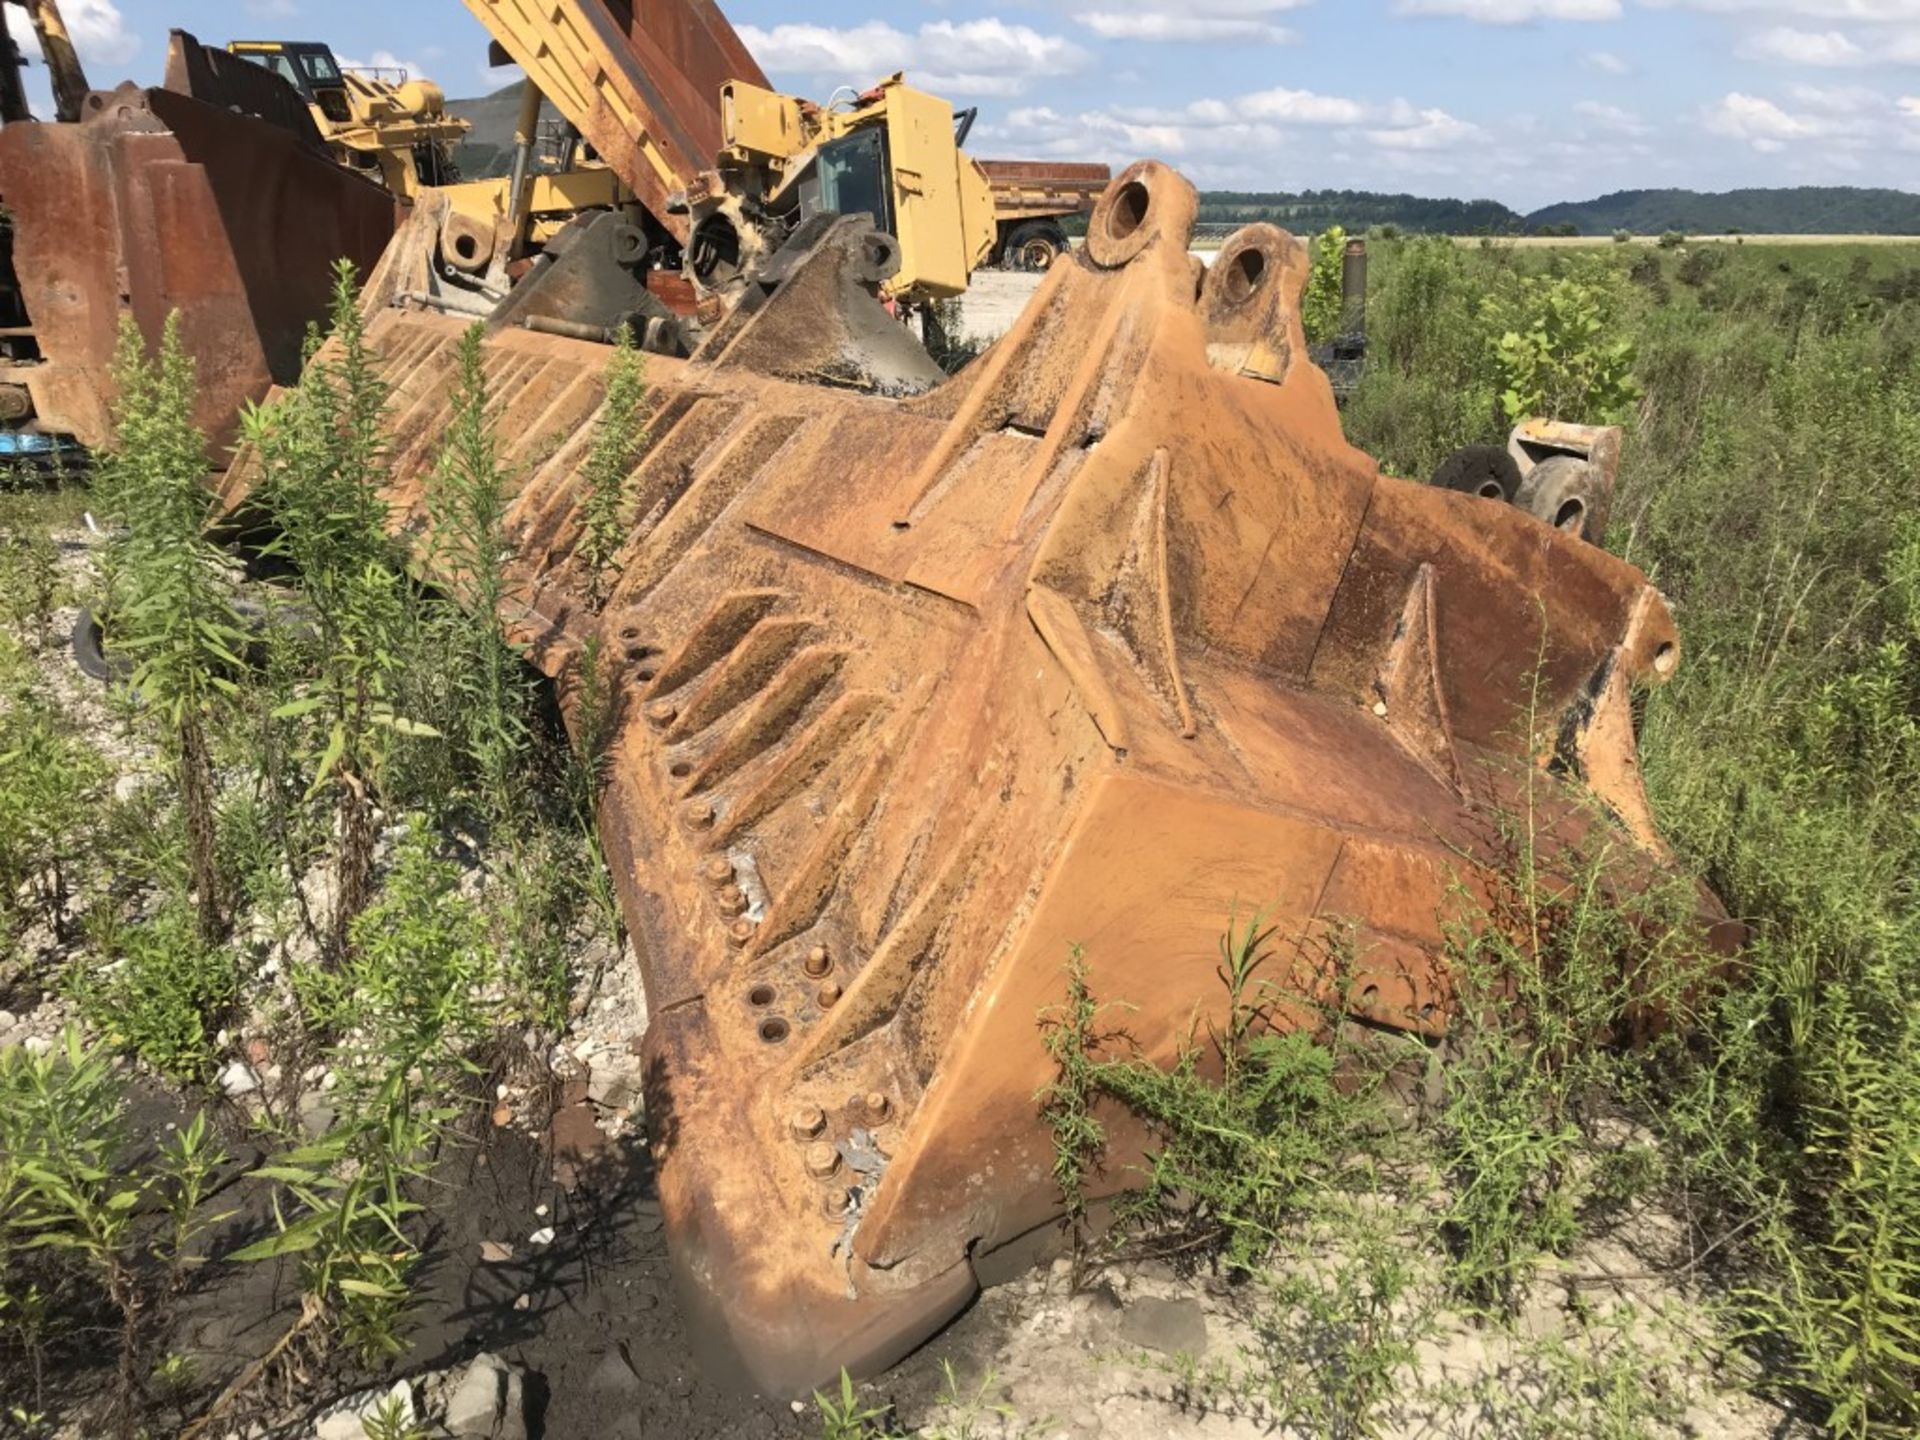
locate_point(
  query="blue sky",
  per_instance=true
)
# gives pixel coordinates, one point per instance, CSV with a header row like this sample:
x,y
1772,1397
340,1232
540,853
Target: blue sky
x,y
1526,101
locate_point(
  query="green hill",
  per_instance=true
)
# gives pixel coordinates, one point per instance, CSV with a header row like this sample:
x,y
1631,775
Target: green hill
x,y
1808,210
1310,211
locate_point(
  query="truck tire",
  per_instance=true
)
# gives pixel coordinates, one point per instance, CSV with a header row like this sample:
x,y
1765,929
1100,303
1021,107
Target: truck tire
x,y
1034,245
1484,470
91,655
1563,491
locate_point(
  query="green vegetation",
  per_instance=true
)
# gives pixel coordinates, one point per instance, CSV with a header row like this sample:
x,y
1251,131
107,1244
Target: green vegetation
x,y
276,812
1320,306
1772,407
1801,210
1804,210
619,437
1311,211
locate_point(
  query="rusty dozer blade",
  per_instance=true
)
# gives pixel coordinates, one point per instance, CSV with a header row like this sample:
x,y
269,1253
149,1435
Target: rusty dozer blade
x,y
1096,643
159,200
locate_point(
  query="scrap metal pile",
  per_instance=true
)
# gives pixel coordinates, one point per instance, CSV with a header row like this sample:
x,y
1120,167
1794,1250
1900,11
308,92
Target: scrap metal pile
x,y
923,682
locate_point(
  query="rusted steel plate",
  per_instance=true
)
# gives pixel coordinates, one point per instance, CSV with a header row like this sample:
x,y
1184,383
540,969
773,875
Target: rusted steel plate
x,y
155,202
1108,637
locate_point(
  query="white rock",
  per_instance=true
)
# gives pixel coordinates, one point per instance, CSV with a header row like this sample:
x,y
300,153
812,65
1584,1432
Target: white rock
x,y
542,1236
615,1085
238,1079
541,1211
7,1021
486,1402
346,1420
37,1045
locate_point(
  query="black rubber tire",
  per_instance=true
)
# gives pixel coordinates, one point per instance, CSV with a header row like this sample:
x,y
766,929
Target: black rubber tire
x,y
90,652
1034,245
1485,470
1564,492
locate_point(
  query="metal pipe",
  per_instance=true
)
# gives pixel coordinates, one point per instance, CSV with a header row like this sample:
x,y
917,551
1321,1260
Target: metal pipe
x,y
1353,289
572,329
525,131
63,61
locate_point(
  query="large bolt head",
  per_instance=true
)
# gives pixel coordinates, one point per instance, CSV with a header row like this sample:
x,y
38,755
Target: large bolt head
x,y
822,1159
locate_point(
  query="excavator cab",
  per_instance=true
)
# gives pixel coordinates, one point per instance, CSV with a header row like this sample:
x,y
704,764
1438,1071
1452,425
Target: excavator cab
x,y
307,65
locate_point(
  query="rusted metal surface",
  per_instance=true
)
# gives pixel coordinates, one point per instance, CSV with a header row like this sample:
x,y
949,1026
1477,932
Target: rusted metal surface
x,y
1044,187
227,81
1104,639
156,202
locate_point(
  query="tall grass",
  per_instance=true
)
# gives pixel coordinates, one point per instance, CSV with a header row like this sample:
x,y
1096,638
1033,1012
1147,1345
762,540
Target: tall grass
x,y
1771,487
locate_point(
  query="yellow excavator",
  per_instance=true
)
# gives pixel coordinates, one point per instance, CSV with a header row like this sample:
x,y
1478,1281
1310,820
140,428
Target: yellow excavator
x,y
693,172
380,120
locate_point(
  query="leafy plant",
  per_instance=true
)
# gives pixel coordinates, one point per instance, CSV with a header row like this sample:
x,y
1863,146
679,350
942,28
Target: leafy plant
x,y
1234,1157
74,1194
163,994
488,695
51,780
323,464
845,1417
1322,303
1560,351
619,439
171,608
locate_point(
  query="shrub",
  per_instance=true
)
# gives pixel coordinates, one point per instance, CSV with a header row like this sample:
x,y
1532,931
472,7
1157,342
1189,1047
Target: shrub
x,y
170,607
163,994
619,437
1321,303
487,693
1560,349
323,462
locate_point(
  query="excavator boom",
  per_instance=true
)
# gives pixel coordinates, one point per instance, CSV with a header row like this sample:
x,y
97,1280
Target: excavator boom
x,y
641,82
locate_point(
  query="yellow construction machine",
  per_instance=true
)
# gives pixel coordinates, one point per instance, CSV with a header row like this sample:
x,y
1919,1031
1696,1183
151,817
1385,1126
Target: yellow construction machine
x,y
893,153
692,173
380,119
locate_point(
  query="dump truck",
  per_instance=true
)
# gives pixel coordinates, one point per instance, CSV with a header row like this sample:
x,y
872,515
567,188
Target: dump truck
x,y
1086,650
377,119
211,195
720,169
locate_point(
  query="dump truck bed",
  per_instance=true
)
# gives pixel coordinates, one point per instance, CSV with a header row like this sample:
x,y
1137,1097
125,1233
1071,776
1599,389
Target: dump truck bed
x,y
1032,189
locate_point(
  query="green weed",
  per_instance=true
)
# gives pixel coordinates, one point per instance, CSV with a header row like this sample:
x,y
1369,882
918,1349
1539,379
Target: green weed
x,y
619,438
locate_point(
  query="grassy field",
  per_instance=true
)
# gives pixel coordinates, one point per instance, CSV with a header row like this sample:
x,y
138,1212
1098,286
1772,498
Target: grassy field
x,y
1771,487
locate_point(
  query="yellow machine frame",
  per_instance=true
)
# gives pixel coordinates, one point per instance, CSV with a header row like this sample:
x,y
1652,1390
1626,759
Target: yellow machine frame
x,y
943,205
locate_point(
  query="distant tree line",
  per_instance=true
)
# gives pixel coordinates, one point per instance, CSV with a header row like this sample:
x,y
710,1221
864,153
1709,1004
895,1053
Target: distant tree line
x,y
1806,210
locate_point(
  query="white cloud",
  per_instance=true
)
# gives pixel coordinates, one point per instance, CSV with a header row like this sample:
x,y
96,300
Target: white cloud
x,y
272,9
971,57
383,60
1512,12
1612,118
1605,62
1865,11
1910,105
1202,21
1300,107
1759,122
100,35
1429,130
1803,47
